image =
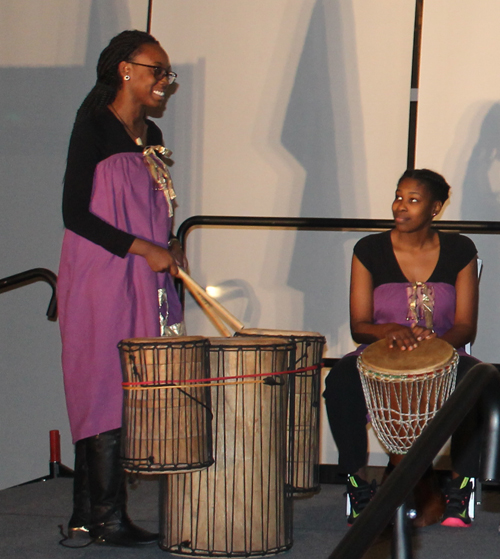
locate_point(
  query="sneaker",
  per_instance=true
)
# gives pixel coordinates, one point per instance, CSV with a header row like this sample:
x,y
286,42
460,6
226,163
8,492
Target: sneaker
x,y
457,494
360,494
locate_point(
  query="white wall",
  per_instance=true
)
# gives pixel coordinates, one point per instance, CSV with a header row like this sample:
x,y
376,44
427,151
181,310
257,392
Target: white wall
x,y
302,110
48,55
459,132
285,108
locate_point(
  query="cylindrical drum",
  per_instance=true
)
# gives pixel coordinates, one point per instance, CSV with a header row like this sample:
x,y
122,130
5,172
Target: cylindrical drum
x,y
405,389
242,505
303,421
167,423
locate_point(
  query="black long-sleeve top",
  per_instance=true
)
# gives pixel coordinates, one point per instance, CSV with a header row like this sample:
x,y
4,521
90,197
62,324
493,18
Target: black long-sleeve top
x,y
93,140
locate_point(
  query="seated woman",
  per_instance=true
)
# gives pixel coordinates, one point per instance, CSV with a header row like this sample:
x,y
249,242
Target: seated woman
x,y
387,271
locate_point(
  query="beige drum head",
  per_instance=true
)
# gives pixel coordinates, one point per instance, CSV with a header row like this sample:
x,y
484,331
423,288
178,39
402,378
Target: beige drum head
x,y
428,356
247,341
167,340
283,333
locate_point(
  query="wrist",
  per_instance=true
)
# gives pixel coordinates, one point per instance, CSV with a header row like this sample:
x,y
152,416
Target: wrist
x,y
173,239
140,247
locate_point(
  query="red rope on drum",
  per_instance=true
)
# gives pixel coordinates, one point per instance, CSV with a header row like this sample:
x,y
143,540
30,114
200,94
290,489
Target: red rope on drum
x,y
216,379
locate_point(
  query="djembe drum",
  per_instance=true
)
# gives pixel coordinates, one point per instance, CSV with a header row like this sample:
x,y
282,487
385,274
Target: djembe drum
x,y
242,505
404,389
167,424
303,421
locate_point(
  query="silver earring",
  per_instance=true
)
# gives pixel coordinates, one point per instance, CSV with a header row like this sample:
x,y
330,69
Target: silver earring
x,y
126,78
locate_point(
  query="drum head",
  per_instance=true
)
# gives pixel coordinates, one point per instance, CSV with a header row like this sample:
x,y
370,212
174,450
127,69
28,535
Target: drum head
x,y
280,333
162,340
429,355
248,342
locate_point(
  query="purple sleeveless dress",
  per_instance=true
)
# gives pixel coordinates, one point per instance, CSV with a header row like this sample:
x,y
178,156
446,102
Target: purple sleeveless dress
x,y
104,298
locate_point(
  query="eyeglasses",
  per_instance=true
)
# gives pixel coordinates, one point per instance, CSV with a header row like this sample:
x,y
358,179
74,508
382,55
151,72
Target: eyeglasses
x,y
158,72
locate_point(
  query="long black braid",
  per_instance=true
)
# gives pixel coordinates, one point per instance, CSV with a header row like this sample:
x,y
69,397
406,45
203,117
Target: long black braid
x,y
122,47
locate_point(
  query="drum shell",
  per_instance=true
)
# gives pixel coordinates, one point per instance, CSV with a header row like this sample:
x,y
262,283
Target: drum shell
x,y
166,429
303,420
242,505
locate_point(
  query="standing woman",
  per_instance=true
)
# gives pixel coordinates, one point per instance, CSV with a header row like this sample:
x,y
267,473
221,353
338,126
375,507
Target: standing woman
x,y
117,262
408,284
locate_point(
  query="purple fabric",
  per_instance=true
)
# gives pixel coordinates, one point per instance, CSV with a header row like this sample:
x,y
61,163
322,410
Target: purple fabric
x,y
390,304
103,298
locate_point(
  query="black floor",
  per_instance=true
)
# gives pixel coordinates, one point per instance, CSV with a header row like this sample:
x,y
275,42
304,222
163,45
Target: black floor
x,y
30,516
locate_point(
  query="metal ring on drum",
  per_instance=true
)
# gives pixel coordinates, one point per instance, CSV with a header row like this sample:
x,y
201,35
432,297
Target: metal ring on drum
x,y
242,505
167,423
405,389
303,421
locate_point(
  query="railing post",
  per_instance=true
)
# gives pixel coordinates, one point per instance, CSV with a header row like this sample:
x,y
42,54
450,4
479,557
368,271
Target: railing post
x,y
482,378
401,535
490,455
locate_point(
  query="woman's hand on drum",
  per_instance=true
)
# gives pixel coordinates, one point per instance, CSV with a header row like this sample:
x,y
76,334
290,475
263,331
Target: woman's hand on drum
x,y
422,333
158,258
407,338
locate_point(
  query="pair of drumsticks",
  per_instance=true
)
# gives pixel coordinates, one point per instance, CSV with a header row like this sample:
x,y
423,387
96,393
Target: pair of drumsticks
x,y
212,308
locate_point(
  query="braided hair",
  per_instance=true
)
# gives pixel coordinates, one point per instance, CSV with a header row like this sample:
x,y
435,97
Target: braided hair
x,y
436,183
122,47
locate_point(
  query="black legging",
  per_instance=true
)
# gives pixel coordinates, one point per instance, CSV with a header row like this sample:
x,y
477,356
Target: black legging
x,y
347,415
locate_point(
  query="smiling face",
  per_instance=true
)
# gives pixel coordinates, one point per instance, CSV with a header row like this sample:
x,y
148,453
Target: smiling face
x,y
413,208
144,88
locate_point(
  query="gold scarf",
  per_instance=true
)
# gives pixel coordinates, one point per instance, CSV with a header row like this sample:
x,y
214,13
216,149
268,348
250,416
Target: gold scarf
x,y
421,304
160,173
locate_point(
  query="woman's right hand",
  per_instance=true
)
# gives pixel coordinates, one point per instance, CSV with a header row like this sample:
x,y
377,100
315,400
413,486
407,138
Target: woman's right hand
x,y
158,258
161,260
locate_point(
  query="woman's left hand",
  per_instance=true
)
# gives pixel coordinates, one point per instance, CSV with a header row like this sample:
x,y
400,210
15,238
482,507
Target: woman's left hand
x,y
422,333
175,248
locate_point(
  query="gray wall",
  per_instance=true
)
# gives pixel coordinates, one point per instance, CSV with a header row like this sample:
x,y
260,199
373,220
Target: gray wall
x,y
285,108
48,54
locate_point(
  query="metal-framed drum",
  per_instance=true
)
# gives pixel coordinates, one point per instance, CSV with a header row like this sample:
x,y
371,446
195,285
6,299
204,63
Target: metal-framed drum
x,y
242,505
167,421
303,422
405,389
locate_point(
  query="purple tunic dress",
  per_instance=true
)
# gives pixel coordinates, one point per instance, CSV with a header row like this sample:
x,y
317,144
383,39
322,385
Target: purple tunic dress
x,y
104,298
430,304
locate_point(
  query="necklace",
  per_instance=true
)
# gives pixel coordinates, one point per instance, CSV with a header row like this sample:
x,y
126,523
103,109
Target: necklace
x,y
137,139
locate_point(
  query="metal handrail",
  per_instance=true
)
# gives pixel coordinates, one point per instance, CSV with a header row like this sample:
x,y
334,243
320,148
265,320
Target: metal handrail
x,y
30,276
317,224
326,223
481,382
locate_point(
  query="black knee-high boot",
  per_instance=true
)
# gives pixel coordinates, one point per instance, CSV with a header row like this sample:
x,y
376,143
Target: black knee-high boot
x,y
80,519
108,494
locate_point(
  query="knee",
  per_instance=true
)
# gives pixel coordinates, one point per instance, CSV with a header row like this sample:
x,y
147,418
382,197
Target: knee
x,y
343,379
465,363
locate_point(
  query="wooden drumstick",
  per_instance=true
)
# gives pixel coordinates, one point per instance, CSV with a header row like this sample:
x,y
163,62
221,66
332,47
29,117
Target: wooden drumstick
x,y
223,313
210,313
